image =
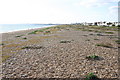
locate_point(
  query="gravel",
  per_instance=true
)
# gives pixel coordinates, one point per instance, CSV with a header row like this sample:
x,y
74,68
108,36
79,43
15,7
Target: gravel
x,y
60,60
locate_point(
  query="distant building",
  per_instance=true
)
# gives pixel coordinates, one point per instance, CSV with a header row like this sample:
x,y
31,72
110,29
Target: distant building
x,y
102,23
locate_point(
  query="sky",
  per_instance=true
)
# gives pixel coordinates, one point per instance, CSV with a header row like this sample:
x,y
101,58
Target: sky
x,y
57,11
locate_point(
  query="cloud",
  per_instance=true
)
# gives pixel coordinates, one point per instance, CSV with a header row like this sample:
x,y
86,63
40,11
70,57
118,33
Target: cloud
x,y
31,11
50,11
90,3
96,3
114,7
113,10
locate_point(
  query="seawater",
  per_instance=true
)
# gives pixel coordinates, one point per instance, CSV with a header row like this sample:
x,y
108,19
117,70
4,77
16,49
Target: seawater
x,y
16,27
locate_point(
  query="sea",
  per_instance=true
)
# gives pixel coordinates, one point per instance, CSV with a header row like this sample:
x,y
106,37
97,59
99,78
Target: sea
x,y
4,28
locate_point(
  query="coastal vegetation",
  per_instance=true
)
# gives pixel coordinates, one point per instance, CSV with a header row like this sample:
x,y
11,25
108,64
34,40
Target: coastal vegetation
x,y
87,40
2,44
24,38
109,32
65,41
117,41
96,39
107,45
44,30
91,76
97,29
26,47
85,35
99,34
92,57
34,32
47,32
91,34
18,35
52,45
4,58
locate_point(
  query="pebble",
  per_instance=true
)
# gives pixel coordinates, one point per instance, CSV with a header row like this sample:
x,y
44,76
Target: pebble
x,y
63,60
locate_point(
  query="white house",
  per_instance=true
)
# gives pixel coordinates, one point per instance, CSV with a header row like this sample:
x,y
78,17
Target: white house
x,y
102,23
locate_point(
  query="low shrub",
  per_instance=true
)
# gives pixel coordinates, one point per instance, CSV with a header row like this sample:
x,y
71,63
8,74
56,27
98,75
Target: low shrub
x,y
32,47
87,40
99,35
26,47
107,45
5,57
25,38
117,41
2,44
91,34
18,35
91,76
65,41
47,31
96,39
109,32
40,30
92,57
34,32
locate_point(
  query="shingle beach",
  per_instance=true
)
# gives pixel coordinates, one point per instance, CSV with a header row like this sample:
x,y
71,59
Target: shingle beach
x,y
60,52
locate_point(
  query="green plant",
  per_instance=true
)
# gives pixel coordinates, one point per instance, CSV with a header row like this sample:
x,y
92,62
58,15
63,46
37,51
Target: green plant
x,y
99,35
85,35
18,35
25,38
2,44
91,34
47,31
97,31
34,32
92,57
26,47
117,41
85,29
96,39
109,32
90,30
108,45
32,47
40,30
5,57
87,40
65,41
91,76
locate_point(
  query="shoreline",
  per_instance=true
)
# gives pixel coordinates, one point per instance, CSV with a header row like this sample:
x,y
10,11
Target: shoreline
x,y
26,29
